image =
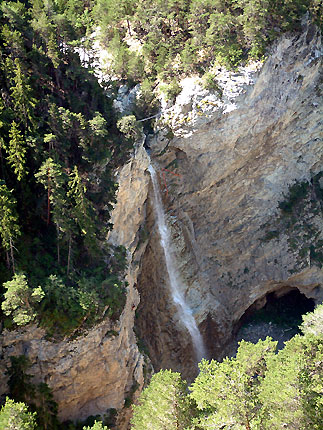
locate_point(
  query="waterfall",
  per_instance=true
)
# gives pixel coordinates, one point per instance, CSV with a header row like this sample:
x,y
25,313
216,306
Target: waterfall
x,y
184,311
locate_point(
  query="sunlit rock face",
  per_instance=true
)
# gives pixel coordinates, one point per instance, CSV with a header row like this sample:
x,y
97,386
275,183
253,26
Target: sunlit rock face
x,y
88,375
237,159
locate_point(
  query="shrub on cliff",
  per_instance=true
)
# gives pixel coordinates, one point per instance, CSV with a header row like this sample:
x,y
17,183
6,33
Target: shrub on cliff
x,y
15,416
96,426
20,299
171,90
129,126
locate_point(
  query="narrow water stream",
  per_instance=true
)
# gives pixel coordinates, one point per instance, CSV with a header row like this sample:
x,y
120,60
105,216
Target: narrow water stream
x,y
185,313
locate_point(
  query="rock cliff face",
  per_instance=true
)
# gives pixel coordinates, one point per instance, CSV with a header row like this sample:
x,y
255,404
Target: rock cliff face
x,y
237,155
98,370
237,151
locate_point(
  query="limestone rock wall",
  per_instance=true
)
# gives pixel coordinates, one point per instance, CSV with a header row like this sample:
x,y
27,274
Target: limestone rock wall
x,y
98,370
237,155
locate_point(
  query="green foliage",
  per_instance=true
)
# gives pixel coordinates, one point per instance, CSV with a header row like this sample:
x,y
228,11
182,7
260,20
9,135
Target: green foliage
x,y
129,126
16,150
66,308
229,390
51,176
15,416
297,218
60,310
147,102
163,404
21,93
270,235
20,387
295,193
38,396
313,322
19,299
96,426
292,389
210,83
82,211
9,228
58,157
258,389
171,90
129,399
180,36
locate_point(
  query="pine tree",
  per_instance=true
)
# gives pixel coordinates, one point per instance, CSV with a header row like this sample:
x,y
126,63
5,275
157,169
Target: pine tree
x,y
13,41
292,390
15,416
164,404
43,23
9,228
20,298
16,150
228,391
51,176
83,211
19,381
46,407
21,93
114,12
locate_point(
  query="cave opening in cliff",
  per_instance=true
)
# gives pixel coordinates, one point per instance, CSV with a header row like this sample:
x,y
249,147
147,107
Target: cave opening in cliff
x,y
278,315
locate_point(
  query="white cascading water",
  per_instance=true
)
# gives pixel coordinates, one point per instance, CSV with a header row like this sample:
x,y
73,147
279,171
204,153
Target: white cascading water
x,y
184,311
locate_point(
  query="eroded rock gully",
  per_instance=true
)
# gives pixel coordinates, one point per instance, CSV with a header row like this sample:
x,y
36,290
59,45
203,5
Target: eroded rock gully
x,y
237,159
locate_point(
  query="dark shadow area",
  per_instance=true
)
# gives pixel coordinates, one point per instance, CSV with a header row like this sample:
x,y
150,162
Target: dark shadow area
x,y
279,317
285,311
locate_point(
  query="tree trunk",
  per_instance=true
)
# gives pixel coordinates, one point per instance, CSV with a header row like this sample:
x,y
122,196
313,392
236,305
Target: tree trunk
x,y
247,423
128,23
58,250
26,301
57,78
12,257
48,197
8,259
2,167
69,254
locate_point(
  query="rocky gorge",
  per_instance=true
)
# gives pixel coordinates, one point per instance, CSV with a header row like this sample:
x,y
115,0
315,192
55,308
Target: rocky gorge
x,y
237,156
240,168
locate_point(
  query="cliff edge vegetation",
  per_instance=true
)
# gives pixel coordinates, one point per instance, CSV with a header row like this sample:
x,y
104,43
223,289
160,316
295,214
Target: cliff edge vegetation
x,y
150,39
59,148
